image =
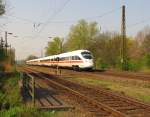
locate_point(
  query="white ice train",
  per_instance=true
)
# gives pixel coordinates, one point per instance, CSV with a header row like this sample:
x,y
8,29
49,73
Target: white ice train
x,y
79,59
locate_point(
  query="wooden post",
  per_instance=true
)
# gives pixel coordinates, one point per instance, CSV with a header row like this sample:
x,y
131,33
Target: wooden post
x,y
23,78
59,71
33,91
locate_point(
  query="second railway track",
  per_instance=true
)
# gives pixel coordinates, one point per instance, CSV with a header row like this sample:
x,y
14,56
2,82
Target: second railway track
x,y
98,73
99,102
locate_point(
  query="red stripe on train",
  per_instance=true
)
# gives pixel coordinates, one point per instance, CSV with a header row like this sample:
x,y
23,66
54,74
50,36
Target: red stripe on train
x,y
60,62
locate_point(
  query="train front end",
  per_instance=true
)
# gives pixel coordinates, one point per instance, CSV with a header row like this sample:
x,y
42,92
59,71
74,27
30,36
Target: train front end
x,y
87,58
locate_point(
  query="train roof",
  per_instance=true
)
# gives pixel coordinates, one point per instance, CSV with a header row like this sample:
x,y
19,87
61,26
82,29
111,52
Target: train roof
x,y
72,52
60,55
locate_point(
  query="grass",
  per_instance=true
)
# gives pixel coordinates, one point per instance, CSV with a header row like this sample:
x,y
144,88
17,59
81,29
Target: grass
x,y
130,87
10,91
136,89
25,112
11,104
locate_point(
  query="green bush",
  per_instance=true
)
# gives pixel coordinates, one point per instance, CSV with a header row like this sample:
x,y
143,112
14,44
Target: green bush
x,y
23,111
148,60
134,65
11,102
2,54
10,91
2,68
100,64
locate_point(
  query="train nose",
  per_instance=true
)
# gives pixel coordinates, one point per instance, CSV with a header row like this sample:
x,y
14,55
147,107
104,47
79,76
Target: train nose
x,y
89,62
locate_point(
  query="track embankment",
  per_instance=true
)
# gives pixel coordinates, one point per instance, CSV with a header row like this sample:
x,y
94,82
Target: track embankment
x,y
99,102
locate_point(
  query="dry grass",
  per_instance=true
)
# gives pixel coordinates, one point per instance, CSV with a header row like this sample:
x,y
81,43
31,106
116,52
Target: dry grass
x,y
133,88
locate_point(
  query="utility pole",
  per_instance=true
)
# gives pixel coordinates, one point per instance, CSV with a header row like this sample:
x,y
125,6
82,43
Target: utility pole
x,y
6,44
124,41
41,53
10,53
2,43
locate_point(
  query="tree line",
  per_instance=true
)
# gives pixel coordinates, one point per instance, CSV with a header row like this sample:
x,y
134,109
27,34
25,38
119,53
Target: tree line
x,y
105,46
7,58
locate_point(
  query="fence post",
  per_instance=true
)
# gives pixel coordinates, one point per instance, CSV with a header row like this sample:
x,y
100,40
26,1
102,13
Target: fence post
x,y
33,91
57,70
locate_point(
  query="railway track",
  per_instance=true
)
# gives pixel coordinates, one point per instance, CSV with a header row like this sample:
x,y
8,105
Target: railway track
x,y
127,75
98,73
130,75
95,109
99,102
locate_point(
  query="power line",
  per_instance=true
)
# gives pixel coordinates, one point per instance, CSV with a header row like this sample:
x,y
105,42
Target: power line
x,y
71,21
90,17
60,21
104,14
138,23
63,21
21,18
52,16
56,13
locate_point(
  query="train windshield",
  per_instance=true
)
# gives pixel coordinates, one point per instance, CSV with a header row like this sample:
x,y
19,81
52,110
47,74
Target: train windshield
x,y
86,55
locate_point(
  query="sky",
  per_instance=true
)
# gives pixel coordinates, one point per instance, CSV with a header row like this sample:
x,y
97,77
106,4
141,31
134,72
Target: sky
x,y
33,21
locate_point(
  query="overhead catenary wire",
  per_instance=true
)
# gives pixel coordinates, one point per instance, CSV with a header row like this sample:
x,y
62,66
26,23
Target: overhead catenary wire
x,y
89,17
43,25
52,16
62,21
138,23
20,18
71,21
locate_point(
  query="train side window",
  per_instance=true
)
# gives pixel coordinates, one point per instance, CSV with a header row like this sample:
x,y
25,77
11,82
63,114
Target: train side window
x,y
47,60
77,58
62,59
72,58
55,59
66,58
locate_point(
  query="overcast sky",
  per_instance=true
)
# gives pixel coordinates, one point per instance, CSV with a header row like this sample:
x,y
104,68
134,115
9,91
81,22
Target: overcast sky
x,y
33,21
